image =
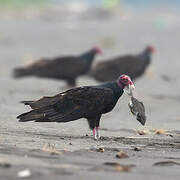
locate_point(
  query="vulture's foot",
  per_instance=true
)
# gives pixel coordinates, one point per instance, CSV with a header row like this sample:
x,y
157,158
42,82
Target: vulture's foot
x,y
96,133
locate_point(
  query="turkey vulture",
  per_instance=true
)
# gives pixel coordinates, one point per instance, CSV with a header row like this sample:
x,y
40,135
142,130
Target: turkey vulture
x,y
67,68
132,65
88,102
137,108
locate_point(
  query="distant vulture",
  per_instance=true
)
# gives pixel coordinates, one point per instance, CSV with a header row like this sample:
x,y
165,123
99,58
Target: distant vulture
x,y
137,108
88,102
132,65
66,68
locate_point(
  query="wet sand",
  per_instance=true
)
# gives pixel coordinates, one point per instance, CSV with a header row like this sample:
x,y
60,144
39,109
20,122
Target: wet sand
x,y
68,151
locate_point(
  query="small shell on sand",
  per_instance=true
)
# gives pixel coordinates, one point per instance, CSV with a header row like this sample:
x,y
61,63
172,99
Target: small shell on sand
x,y
119,167
160,131
100,149
137,149
143,132
121,155
24,173
152,131
50,149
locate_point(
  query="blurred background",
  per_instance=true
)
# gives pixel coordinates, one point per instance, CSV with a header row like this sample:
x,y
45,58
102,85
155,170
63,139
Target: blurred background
x,y
31,29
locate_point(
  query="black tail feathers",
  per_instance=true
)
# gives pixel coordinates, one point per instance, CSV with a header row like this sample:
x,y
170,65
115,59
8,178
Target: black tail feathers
x,y
27,102
43,114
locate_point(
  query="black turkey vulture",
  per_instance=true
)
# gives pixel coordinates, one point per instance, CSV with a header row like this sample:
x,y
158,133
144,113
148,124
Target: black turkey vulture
x,y
132,65
88,102
67,68
137,108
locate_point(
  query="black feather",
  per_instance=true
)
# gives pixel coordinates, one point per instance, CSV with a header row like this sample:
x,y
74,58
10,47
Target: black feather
x,y
84,102
132,65
66,68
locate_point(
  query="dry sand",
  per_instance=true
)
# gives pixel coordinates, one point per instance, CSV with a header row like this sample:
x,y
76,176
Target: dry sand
x,y
64,151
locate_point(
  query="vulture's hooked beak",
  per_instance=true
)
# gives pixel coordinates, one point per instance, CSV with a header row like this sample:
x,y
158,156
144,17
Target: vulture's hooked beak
x,y
129,89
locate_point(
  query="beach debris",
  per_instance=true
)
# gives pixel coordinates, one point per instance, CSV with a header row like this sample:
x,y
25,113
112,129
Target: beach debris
x,y
159,131
100,149
143,132
154,131
166,163
50,149
4,164
137,149
123,168
162,132
137,108
119,167
170,135
121,155
24,173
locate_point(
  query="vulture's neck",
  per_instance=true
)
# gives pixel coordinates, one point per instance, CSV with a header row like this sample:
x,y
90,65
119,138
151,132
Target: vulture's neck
x,y
115,88
88,57
145,55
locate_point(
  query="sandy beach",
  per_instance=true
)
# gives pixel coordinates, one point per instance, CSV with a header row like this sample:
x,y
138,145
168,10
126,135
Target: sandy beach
x,y
68,151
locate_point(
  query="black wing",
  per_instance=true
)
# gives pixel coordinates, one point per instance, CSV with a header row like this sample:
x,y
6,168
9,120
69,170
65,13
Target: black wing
x,y
111,69
60,67
69,105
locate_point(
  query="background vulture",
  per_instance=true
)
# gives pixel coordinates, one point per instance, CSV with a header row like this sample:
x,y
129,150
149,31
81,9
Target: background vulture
x,y
132,65
88,102
66,68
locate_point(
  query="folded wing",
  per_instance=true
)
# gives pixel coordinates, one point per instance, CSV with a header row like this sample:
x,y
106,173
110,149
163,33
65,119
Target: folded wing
x,y
110,70
69,105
